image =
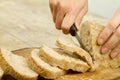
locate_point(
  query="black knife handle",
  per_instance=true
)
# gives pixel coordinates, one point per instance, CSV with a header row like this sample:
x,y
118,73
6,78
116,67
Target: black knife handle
x,y
73,30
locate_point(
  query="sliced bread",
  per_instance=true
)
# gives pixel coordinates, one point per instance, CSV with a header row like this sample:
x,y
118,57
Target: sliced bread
x,y
65,62
37,64
42,68
67,44
16,66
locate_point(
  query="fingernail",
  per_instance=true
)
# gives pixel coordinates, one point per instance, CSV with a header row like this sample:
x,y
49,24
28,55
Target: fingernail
x,y
100,41
113,55
104,50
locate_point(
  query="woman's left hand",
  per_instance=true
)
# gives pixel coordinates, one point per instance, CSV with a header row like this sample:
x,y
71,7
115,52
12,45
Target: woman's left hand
x,y
109,38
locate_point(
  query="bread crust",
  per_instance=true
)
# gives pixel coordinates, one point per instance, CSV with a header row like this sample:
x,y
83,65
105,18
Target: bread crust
x,y
65,62
9,66
68,44
42,68
36,65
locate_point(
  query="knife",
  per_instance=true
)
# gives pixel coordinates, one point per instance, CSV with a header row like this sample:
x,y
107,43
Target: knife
x,y
73,31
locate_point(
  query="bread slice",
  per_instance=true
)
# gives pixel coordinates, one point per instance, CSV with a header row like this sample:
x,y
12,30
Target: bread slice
x,y
64,62
89,33
42,68
68,44
1,73
31,54
16,66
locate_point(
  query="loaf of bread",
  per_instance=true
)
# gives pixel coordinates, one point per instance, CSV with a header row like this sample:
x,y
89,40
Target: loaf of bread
x,y
38,65
89,33
65,62
16,66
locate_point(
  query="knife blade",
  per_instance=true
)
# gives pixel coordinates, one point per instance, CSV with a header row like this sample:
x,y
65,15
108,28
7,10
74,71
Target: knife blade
x,y
73,31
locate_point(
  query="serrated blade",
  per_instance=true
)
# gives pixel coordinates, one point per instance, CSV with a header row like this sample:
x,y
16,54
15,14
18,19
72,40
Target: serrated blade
x,y
80,42
73,32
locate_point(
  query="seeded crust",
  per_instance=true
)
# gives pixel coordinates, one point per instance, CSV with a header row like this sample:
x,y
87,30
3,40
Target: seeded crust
x,y
65,62
89,33
16,66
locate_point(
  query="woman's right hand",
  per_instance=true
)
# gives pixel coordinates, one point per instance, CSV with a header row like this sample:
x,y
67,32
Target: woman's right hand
x,y
67,12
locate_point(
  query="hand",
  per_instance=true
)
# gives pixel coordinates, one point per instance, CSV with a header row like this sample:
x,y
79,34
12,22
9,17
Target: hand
x,y
67,12
110,36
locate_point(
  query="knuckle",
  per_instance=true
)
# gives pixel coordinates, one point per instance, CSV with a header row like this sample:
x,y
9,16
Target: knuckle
x,y
108,45
102,36
63,7
117,33
51,2
111,25
116,49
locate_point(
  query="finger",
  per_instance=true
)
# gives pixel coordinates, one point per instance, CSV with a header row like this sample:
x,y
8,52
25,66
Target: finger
x,y
111,26
59,18
114,39
54,13
81,14
68,21
51,7
115,52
